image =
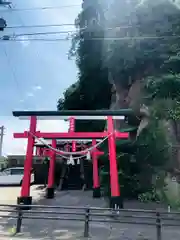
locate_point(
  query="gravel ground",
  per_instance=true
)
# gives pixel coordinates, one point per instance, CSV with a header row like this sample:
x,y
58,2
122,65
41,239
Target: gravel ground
x,y
71,230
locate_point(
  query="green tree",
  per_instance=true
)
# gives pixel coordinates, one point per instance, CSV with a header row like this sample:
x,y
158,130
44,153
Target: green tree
x,y
92,90
149,54
143,47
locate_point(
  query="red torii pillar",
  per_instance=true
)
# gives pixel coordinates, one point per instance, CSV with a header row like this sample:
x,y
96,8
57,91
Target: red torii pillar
x,y
50,189
96,181
116,198
25,197
72,129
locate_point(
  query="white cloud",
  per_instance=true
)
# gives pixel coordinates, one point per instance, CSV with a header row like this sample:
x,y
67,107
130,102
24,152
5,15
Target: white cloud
x,y
36,88
30,94
13,146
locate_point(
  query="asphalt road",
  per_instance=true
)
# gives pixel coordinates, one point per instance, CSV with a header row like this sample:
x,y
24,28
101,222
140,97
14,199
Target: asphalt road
x,y
71,230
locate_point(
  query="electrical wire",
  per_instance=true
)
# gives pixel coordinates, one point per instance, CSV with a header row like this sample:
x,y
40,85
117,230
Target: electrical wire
x,y
69,24
34,40
20,19
113,38
96,29
135,38
68,32
39,8
72,24
13,38
42,33
22,24
12,71
10,65
41,26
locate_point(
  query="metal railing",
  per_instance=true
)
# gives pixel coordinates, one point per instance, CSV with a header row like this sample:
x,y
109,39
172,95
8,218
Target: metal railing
x,y
87,215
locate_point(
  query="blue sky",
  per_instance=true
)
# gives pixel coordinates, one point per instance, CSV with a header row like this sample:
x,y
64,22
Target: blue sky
x,y
34,74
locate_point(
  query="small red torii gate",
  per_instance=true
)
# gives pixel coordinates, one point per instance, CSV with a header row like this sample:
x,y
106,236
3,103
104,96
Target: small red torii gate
x,y
48,153
33,116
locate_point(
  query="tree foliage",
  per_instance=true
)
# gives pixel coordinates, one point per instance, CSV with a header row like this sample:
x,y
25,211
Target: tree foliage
x,y
134,41
137,161
92,90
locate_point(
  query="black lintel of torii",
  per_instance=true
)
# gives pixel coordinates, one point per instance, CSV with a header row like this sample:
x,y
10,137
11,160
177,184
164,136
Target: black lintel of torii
x,y
121,112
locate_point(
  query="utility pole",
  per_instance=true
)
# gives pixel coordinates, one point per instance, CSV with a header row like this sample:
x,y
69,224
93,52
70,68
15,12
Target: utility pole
x,y
1,139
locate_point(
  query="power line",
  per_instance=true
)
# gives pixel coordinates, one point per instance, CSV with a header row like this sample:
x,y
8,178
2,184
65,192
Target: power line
x,y
35,39
42,33
22,24
86,29
42,26
39,8
95,27
13,37
136,38
9,62
12,71
50,33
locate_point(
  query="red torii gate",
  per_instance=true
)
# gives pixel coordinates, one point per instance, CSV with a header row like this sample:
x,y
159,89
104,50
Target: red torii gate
x,y
95,154
33,116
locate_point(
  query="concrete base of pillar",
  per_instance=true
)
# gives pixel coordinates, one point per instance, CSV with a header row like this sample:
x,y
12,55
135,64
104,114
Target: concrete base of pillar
x,y
25,202
97,192
116,202
50,193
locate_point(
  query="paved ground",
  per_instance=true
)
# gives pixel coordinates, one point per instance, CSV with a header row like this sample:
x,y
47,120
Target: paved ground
x,y
61,229
8,195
